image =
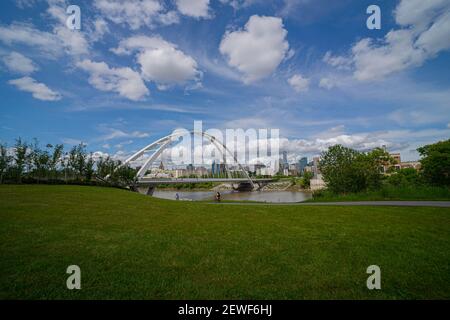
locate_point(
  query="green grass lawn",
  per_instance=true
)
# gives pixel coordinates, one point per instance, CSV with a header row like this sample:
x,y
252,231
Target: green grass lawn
x,y
401,193
132,246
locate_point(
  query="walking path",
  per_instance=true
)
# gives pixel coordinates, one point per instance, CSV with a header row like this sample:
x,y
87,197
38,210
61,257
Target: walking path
x,y
442,204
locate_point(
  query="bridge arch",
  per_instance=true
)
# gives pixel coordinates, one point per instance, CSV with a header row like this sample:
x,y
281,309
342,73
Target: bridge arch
x,y
165,142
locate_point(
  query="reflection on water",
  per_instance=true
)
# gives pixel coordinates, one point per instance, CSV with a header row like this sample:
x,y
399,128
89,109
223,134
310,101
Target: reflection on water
x,y
261,196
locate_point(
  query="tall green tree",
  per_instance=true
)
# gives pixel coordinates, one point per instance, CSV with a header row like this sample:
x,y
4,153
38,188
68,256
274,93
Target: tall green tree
x,y
106,166
89,167
40,160
21,158
56,159
436,163
5,161
77,160
347,170
338,170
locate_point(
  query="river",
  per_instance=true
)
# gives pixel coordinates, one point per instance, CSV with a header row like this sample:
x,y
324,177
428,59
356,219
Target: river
x,y
260,196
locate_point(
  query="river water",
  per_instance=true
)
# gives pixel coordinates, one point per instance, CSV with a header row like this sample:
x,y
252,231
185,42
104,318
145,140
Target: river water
x,y
260,196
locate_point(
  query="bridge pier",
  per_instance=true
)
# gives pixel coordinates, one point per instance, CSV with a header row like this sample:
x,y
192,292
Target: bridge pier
x,y
147,190
243,186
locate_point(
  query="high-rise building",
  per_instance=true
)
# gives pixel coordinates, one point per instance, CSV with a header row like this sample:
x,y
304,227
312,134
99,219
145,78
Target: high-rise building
x,y
213,167
316,161
217,168
302,163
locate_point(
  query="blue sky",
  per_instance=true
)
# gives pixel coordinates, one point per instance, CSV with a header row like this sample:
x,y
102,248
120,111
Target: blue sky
x,y
139,69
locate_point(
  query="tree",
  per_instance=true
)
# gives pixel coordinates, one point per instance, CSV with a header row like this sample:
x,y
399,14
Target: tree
x,y
338,170
5,160
77,160
436,163
89,167
405,177
56,158
20,158
106,166
346,170
370,165
305,181
40,160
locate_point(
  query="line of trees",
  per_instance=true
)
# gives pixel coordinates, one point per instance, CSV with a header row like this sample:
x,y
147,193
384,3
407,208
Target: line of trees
x,y
346,170
30,163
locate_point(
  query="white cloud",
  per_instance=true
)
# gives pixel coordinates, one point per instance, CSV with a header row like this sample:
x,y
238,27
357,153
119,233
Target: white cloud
x,y
299,83
71,141
419,116
23,4
257,50
339,62
51,44
361,141
112,134
194,8
100,28
424,32
135,13
125,81
417,12
160,61
239,4
17,62
39,90
25,34
74,43
327,83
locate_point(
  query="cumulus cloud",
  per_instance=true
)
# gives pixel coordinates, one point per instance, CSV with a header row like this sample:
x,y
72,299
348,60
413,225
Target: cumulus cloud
x,y
194,8
299,83
17,62
160,61
74,43
136,13
39,90
424,32
258,49
363,141
125,81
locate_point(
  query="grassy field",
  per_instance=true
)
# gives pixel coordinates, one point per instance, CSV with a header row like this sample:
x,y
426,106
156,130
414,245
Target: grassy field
x,y
387,193
132,246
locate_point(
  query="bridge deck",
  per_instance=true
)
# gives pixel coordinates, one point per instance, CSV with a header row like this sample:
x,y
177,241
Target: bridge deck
x,y
151,181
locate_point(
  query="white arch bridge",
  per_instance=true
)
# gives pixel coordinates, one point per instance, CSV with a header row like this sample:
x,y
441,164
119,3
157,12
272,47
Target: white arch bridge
x,y
147,185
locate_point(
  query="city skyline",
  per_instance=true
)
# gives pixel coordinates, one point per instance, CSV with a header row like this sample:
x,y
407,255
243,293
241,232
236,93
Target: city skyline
x,y
132,76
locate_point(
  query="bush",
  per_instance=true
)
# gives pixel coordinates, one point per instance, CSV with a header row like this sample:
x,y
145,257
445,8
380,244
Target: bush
x,y
405,177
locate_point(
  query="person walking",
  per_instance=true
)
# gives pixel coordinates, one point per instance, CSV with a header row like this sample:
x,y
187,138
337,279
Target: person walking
x,y
218,196
177,196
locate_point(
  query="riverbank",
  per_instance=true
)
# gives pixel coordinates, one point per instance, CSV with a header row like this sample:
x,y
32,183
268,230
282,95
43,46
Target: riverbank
x,y
386,193
131,246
